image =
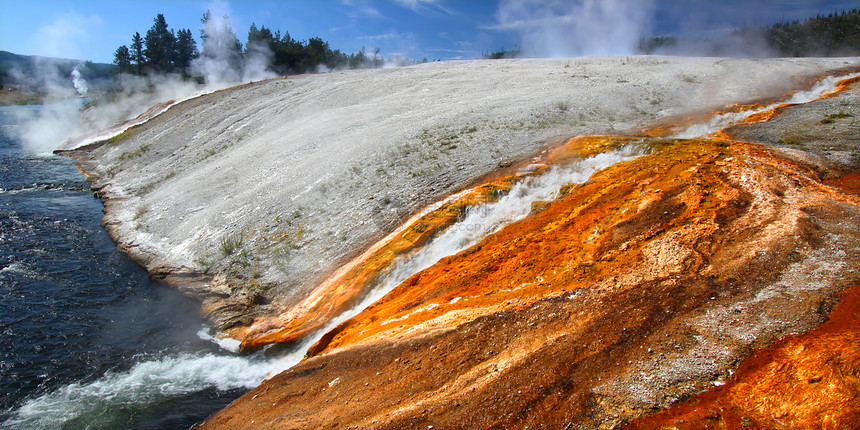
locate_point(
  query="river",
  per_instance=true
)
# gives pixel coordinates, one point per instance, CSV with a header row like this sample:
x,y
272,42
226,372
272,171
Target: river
x,y
87,340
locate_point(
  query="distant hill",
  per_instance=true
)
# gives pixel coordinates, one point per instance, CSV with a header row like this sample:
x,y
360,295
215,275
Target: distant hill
x,y
33,73
836,34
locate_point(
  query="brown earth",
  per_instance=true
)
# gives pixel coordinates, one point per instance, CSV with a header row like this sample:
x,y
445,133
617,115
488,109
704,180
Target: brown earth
x,y
12,95
643,286
803,381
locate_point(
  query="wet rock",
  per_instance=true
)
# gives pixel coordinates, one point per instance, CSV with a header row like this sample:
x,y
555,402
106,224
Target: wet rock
x,y
226,313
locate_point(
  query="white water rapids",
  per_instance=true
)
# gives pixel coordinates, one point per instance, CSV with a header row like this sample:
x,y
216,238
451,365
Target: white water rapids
x,y
146,383
163,378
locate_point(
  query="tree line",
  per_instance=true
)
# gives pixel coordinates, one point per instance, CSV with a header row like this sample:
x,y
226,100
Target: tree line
x,y
835,34
289,55
830,35
163,51
160,51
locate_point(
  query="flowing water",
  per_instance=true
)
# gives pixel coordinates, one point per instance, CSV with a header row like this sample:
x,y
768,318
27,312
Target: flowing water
x,y
479,222
718,122
86,339
485,219
90,342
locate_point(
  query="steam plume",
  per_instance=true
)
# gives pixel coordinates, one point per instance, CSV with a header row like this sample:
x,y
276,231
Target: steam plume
x,y
63,123
79,82
221,60
561,28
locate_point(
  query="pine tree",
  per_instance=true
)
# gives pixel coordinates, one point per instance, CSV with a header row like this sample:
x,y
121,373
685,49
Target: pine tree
x,y
122,59
159,50
204,34
220,42
261,37
260,48
315,53
136,52
186,50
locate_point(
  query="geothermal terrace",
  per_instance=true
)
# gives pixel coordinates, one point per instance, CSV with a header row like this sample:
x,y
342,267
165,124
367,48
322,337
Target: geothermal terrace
x,y
345,214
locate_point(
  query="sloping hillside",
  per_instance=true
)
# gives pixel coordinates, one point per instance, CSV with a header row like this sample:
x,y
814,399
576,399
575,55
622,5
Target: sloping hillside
x,y
249,197
696,268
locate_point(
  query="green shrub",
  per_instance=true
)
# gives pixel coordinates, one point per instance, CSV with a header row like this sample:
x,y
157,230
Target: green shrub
x,y
829,119
230,244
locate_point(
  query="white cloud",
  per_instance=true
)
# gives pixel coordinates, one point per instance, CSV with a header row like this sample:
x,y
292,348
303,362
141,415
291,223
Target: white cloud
x,y
391,35
456,51
422,6
66,36
392,44
361,9
414,4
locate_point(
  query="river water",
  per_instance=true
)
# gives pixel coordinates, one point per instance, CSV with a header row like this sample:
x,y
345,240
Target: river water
x,y
87,340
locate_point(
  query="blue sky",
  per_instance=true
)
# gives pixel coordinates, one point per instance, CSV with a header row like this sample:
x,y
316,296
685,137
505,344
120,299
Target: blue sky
x,y
433,29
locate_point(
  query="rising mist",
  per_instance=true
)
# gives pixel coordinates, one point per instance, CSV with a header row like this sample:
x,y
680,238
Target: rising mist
x,y
560,28
69,118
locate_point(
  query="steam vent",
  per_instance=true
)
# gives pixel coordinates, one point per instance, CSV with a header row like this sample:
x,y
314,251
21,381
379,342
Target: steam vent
x,y
600,242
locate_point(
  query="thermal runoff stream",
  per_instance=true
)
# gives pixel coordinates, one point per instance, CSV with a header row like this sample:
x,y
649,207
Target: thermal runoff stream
x,y
149,373
376,274
822,88
476,223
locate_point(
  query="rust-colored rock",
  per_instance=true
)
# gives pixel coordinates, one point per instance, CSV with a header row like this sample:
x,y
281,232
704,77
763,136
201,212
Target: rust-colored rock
x,y
689,211
342,289
635,289
808,381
